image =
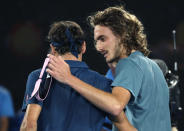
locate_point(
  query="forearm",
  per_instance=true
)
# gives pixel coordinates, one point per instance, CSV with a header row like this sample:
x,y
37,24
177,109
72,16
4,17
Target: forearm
x,y
103,100
121,122
28,126
112,103
29,122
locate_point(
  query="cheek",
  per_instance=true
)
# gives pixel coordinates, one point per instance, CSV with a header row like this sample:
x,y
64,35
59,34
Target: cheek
x,y
113,47
97,47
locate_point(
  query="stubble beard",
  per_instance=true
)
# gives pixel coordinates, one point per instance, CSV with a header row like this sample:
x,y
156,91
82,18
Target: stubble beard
x,y
116,54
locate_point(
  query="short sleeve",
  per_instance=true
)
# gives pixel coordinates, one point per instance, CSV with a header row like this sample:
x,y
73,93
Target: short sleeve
x,y
128,76
109,75
32,78
6,106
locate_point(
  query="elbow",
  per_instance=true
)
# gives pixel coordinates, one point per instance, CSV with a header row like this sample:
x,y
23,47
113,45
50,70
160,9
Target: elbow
x,y
117,109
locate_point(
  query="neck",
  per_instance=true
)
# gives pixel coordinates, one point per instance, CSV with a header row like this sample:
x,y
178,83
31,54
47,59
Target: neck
x,y
123,55
69,56
133,51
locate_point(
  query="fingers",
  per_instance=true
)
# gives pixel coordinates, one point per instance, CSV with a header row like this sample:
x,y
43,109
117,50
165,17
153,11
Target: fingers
x,y
53,59
55,64
58,68
56,59
50,72
51,66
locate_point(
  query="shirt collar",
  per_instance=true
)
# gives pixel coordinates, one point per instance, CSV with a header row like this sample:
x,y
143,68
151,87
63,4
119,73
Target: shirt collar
x,y
73,63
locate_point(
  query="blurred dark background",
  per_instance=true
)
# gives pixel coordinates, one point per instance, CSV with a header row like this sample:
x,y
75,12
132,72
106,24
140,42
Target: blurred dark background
x,y
24,26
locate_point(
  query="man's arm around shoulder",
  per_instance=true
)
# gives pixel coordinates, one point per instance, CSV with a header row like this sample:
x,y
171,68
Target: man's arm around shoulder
x,y
112,103
29,122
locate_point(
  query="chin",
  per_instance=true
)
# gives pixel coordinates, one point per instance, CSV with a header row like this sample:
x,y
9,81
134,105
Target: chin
x,y
108,61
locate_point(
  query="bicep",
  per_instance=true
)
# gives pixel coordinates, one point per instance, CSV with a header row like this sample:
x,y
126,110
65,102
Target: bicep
x,y
122,95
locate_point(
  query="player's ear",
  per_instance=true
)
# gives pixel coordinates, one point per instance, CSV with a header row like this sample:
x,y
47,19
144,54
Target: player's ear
x,y
83,47
53,51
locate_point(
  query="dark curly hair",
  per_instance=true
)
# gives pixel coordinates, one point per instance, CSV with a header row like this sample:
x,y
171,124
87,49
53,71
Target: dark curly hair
x,y
57,33
124,25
